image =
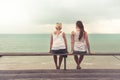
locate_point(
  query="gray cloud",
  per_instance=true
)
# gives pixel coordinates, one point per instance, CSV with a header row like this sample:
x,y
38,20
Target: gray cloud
x,y
68,11
30,16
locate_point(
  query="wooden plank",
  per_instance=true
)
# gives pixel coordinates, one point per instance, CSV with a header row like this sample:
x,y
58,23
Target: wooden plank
x,y
60,75
60,71
50,54
85,74
59,79
67,79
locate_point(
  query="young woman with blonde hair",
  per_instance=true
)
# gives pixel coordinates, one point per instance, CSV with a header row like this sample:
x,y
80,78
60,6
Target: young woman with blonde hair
x,y
58,44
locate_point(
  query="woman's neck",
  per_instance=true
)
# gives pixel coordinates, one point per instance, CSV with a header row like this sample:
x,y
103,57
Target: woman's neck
x,y
57,32
78,30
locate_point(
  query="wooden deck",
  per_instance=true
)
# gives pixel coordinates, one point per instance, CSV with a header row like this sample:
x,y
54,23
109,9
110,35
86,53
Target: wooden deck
x,y
84,74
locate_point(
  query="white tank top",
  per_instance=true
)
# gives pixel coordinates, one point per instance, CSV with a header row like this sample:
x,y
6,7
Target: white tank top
x,y
79,45
58,42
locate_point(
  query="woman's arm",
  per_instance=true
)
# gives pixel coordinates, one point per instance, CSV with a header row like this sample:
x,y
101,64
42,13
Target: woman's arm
x,y
51,42
72,41
87,42
65,40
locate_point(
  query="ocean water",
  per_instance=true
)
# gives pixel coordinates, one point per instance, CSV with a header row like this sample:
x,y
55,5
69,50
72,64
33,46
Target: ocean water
x,y
40,42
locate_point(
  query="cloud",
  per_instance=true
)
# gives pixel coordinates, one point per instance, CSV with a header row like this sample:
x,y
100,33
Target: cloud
x,y
104,26
38,16
68,11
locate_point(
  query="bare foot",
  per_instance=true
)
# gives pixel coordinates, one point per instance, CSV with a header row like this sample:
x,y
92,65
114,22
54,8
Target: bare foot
x,y
57,67
78,67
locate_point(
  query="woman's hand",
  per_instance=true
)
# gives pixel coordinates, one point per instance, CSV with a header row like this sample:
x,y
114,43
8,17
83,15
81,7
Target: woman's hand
x,y
50,51
89,52
71,52
92,53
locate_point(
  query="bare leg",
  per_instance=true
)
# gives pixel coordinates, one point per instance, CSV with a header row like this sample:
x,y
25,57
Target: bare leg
x,y
55,60
60,61
80,60
76,59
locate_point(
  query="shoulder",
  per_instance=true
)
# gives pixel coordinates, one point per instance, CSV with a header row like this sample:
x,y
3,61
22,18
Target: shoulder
x,y
63,33
73,32
52,33
86,34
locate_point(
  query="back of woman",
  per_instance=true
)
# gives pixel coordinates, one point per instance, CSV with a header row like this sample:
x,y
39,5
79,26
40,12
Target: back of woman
x,y
58,41
58,45
79,45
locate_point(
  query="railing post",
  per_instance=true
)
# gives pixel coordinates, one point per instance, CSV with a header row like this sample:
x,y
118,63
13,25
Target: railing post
x,y
64,63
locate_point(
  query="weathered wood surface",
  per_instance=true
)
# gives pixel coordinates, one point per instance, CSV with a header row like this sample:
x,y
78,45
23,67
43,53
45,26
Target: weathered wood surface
x,y
50,54
84,74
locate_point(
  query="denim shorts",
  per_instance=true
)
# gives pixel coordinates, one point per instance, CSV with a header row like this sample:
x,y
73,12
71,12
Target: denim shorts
x,y
60,51
80,52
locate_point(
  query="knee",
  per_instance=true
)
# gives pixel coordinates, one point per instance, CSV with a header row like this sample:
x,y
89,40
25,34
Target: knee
x,y
75,56
55,56
61,56
81,56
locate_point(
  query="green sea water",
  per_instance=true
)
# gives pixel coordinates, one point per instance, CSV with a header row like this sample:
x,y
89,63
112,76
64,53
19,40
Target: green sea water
x,y
40,42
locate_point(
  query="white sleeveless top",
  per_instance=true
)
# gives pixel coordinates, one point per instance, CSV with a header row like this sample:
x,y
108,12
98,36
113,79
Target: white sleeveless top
x,y
79,45
58,42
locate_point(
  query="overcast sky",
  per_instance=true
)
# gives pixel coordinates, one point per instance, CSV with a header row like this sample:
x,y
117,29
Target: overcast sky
x,y
40,16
